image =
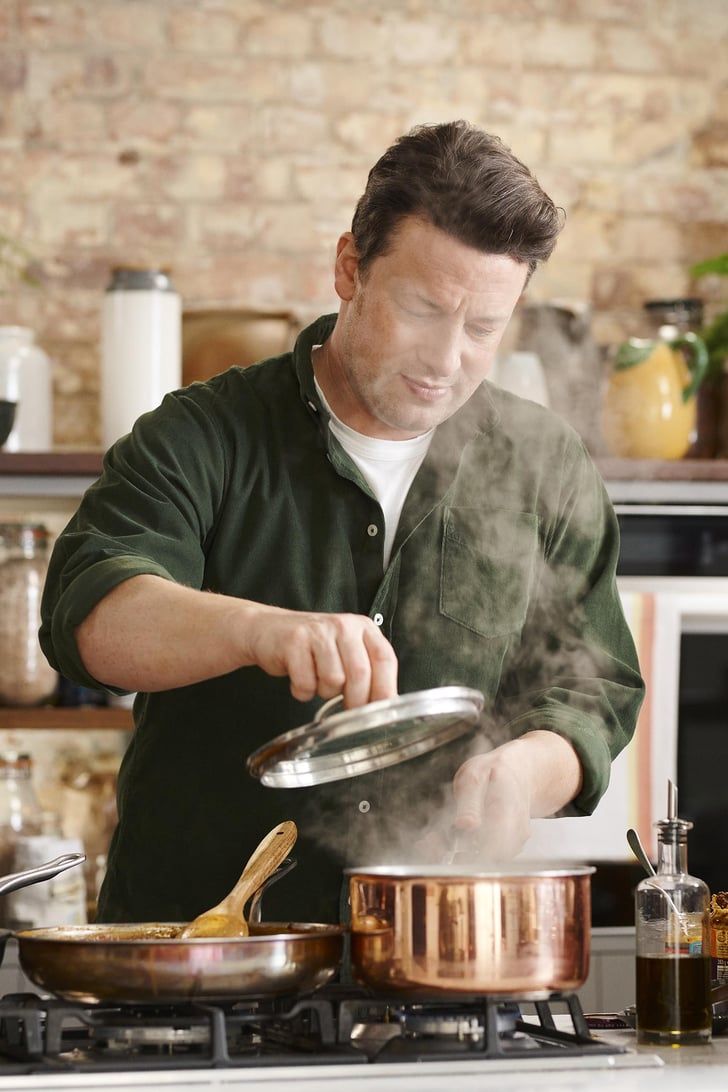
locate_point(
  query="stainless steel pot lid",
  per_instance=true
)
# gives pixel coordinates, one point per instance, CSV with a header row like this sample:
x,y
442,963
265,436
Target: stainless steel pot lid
x,y
336,745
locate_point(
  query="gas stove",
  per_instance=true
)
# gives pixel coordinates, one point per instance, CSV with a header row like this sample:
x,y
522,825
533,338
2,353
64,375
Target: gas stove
x,y
336,1026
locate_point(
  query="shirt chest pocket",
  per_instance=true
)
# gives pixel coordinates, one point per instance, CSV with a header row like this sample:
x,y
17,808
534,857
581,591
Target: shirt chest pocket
x,y
488,568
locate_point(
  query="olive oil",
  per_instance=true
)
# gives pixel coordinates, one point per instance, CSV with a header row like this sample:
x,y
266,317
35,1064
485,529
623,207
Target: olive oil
x,y
672,943
673,998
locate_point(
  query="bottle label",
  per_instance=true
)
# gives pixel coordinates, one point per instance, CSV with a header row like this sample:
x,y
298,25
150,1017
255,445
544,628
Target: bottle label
x,y
688,946
719,953
719,936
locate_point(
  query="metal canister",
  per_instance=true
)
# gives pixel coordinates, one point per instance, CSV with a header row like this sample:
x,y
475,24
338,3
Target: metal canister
x,y
141,358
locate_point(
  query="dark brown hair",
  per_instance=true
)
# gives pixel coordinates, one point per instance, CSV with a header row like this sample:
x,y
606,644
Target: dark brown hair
x,y
465,182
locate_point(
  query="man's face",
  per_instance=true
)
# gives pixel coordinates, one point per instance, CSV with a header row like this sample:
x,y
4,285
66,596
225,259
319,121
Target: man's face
x,y
419,331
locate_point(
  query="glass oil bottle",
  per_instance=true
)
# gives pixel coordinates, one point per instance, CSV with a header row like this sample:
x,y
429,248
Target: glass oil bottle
x,y
672,943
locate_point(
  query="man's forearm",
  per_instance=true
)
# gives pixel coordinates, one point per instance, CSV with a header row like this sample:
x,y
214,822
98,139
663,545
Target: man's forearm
x,y
152,634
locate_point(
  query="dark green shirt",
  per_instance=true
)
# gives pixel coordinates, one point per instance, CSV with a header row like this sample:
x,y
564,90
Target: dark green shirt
x,y
502,577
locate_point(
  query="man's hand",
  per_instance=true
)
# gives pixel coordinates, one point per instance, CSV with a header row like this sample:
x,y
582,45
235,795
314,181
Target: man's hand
x,y
497,794
324,654
492,795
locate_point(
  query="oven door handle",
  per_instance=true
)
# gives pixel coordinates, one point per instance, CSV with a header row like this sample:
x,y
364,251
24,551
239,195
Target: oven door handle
x,y
671,509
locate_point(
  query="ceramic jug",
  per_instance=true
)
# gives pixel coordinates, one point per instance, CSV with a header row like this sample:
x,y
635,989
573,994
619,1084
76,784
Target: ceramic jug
x,y
559,332
25,379
650,403
522,374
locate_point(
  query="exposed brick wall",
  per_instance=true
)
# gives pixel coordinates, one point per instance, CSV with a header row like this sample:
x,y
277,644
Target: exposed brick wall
x,y
230,139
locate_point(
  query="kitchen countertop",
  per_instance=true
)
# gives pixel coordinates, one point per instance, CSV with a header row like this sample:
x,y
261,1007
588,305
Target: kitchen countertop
x,y
699,1068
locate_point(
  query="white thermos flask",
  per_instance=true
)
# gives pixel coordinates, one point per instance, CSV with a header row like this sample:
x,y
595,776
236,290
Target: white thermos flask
x,y
141,352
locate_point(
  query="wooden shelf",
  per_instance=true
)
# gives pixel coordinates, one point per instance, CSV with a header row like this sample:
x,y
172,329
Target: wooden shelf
x,y
663,470
84,464
34,474
83,718
49,463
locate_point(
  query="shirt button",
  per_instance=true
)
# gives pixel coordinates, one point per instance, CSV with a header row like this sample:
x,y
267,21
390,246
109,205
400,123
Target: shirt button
x,y
312,406
378,619
372,530
364,806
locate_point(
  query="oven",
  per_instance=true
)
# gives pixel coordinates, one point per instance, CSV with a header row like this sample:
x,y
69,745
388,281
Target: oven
x,y
677,554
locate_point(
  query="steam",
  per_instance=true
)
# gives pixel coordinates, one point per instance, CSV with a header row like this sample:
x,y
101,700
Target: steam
x,y
410,823
412,805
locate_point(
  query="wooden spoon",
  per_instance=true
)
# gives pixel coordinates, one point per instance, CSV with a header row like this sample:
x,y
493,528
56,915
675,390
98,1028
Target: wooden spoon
x,y
226,919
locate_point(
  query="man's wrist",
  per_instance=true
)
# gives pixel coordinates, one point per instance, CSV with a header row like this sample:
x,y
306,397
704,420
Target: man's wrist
x,y
241,623
552,769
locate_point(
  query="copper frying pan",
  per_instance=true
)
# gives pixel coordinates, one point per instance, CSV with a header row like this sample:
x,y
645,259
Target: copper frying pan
x,y
146,963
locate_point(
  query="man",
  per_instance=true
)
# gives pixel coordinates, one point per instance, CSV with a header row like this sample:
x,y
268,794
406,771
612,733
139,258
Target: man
x,y
362,514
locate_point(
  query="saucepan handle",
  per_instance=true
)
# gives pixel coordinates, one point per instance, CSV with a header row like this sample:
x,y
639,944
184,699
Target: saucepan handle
x,y
5,935
286,866
42,872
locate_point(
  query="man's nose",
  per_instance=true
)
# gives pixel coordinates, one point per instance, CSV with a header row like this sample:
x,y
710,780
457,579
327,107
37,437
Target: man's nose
x,y
441,351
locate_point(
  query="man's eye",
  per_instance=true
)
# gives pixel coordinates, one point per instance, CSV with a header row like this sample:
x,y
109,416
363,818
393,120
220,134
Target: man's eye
x,y
417,312
480,332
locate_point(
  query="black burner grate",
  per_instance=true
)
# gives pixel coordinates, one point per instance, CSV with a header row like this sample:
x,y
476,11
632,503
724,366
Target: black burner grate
x,y
338,1025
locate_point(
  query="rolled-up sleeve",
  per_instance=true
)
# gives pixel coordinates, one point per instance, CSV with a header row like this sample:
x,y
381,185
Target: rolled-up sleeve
x,y
575,669
151,512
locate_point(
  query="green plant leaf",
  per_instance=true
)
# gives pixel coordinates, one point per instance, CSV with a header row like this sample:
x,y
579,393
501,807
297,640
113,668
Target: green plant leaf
x,y
715,337
629,354
717,265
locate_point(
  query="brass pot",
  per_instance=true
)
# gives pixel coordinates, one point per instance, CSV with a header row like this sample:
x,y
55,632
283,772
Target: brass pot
x,y
431,931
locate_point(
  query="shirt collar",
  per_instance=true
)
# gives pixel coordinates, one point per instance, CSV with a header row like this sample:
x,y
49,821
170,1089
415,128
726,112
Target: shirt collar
x,y
315,334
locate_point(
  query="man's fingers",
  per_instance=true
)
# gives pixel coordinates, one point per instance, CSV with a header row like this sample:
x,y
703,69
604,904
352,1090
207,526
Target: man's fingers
x,y
384,666
328,655
469,789
356,666
302,672
491,799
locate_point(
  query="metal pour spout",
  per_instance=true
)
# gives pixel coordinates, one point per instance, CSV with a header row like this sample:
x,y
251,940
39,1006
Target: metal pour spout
x,y
671,800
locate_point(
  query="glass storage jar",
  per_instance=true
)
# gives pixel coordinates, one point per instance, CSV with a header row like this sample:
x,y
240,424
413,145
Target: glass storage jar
x,y
26,678
26,380
20,811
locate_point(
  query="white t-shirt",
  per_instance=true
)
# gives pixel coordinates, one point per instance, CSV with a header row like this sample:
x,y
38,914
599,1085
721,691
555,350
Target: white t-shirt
x,y
389,467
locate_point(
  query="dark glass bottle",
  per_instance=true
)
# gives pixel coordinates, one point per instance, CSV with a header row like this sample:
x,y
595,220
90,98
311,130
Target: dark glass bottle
x,y
672,943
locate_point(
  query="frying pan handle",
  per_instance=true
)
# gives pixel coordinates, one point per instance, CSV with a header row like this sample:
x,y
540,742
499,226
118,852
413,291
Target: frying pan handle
x,y
283,869
43,872
328,708
5,935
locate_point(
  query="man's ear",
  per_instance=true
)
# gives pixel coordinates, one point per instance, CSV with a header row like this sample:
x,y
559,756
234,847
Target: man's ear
x,y
346,268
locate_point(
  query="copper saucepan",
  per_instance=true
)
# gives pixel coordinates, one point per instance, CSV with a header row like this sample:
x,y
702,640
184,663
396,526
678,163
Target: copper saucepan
x,y
434,930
